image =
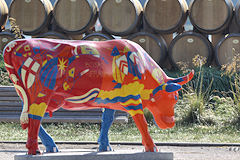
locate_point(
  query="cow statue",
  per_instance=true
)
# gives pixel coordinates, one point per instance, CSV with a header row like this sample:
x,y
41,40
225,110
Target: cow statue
x,y
50,74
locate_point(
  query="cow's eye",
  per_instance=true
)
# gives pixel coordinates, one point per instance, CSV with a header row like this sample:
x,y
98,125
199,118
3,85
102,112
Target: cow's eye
x,y
71,72
157,97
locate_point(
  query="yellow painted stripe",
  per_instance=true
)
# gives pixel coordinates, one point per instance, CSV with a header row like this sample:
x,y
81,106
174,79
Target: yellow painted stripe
x,y
44,62
18,47
38,110
135,78
41,95
134,89
83,96
48,55
86,99
131,101
133,112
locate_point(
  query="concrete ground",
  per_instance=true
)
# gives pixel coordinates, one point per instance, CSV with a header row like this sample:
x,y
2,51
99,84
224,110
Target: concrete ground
x,y
7,151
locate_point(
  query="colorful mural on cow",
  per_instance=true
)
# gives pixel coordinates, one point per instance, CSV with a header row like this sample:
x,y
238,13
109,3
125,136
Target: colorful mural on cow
x,y
76,75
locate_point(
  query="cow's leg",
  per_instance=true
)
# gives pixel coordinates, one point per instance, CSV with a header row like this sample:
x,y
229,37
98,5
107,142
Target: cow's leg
x,y
47,140
36,112
107,119
147,141
32,142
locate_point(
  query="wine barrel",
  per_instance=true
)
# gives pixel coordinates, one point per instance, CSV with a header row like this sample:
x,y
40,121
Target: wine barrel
x,y
5,38
211,16
165,16
120,17
53,35
186,46
75,16
237,13
97,36
3,13
227,49
32,16
153,45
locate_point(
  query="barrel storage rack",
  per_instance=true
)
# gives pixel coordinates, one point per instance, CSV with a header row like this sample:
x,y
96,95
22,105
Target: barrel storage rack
x,y
158,26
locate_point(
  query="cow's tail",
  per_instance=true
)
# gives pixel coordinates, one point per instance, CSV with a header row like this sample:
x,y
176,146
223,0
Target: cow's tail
x,y
8,55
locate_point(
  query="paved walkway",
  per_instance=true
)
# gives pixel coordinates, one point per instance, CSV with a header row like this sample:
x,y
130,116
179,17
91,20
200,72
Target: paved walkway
x,y
7,151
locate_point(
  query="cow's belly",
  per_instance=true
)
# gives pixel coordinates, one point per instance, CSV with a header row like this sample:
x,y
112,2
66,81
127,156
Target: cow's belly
x,y
53,106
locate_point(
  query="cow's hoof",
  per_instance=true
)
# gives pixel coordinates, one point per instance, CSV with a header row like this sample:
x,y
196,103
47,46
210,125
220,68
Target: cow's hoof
x,y
154,149
34,152
104,148
51,149
24,126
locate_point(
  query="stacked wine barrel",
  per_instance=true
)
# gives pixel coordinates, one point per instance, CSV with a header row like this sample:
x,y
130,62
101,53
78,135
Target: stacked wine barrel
x,y
5,36
158,26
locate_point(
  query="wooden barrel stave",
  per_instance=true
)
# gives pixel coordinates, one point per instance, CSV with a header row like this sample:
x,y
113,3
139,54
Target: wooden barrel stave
x,y
120,17
155,46
75,17
211,16
187,46
31,15
165,16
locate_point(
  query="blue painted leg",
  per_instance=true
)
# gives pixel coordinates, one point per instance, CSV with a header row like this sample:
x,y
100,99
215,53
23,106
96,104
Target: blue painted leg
x,y
107,119
47,140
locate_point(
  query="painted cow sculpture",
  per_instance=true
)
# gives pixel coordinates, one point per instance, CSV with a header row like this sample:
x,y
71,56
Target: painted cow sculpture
x,y
76,75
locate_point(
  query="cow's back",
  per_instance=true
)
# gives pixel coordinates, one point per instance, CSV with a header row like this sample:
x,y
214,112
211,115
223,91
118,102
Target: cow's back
x,y
73,73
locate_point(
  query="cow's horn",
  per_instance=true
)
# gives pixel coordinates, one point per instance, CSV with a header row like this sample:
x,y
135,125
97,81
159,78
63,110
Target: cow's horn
x,y
182,80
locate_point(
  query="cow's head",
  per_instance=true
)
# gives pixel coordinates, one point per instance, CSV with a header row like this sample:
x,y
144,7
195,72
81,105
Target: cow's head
x,y
164,98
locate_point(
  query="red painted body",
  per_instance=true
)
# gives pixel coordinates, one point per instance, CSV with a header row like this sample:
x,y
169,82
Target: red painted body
x,y
76,75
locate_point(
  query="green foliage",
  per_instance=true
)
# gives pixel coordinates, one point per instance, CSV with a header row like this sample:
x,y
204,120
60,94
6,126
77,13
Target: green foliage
x,y
197,96
217,111
232,70
220,81
148,115
211,97
4,77
235,88
128,132
222,110
1,62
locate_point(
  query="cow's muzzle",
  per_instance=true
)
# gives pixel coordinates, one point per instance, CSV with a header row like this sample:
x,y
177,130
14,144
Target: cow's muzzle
x,y
165,122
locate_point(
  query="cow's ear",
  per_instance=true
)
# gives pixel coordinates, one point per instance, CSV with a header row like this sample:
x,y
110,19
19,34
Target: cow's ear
x,y
172,87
